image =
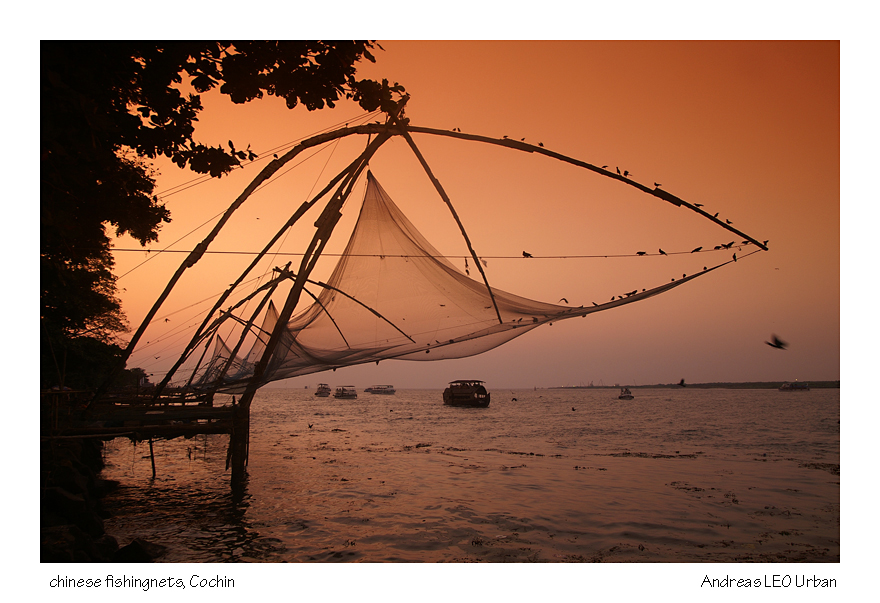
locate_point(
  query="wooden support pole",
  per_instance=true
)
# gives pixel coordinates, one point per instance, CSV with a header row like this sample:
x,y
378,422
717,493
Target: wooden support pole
x,y
239,440
446,200
152,458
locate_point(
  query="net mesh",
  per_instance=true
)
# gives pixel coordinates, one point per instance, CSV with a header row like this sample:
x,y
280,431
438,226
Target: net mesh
x,y
394,296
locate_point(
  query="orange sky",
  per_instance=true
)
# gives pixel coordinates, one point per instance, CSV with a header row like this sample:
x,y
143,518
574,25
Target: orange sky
x,y
749,129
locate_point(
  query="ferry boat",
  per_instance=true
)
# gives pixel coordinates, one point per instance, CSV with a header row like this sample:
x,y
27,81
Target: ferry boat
x,y
380,389
323,390
346,391
794,387
468,392
625,394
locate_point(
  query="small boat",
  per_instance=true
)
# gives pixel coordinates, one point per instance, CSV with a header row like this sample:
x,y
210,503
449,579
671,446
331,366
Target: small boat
x,y
469,392
323,390
794,387
625,394
380,389
346,391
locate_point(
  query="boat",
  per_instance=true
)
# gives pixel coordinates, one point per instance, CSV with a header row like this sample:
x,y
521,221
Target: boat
x,y
625,394
468,392
381,389
345,391
794,387
323,390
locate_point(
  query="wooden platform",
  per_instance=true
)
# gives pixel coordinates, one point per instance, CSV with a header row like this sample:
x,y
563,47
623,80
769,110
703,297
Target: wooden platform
x,y
67,416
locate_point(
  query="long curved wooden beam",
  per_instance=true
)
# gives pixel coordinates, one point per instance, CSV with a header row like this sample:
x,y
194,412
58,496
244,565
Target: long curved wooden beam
x,y
530,148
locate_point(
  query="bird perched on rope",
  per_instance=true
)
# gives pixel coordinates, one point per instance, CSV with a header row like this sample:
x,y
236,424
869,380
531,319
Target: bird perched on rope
x,y
696,250
618,171
641,253
526,254
657,185
661,252
625,173
777,343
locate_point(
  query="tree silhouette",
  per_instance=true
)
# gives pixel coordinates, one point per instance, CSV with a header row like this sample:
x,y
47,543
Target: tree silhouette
x,y
107,108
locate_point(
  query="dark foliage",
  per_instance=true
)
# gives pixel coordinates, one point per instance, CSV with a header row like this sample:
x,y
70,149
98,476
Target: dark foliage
x,y
107,108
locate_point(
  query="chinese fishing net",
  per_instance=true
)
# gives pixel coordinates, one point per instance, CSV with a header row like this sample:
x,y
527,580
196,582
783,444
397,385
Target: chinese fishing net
x,y
394,296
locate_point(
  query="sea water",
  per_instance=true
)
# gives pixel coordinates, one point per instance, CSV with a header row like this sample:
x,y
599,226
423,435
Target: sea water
x,y
548,475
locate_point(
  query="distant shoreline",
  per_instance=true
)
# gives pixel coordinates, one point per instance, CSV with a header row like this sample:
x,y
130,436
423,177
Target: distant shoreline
x,y
724,385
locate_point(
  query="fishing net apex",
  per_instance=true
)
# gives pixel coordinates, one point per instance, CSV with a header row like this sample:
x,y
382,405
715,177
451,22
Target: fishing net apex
x,y
394,296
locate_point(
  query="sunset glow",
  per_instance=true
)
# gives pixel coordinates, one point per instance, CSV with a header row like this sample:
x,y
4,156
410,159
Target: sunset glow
x,y
747,129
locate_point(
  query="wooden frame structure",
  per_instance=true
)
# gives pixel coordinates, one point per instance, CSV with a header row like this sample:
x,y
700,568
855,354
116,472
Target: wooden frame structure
x,y
341,187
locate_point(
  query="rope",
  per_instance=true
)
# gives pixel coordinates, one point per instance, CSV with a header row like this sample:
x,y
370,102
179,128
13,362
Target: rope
x,y
486,257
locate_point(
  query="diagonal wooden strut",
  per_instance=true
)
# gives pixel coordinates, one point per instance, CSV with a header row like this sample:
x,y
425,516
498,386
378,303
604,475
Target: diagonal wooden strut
x,y
446,200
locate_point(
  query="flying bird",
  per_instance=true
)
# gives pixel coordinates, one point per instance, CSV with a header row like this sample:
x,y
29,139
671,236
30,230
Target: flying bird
x,y
166,320
526,254
682,383
310,425
696,250
777,343
563,300
661,252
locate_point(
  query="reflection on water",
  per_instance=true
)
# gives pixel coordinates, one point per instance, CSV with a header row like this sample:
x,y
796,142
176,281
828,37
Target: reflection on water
x,y
557,475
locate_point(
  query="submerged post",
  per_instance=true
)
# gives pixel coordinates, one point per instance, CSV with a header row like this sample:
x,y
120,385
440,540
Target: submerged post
x,y
239,439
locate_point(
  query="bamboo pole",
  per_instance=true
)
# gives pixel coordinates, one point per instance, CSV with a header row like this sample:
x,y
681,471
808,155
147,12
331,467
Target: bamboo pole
x,y
530,148
324,227
152,458
244,333
446,200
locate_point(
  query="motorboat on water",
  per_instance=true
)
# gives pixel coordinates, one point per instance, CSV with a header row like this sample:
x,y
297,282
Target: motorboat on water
x,y
380,389
466,392
794,387
323,390
345,391
625,394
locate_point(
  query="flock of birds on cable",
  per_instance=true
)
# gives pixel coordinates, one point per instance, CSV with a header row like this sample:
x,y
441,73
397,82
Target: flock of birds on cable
x,y
776,343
